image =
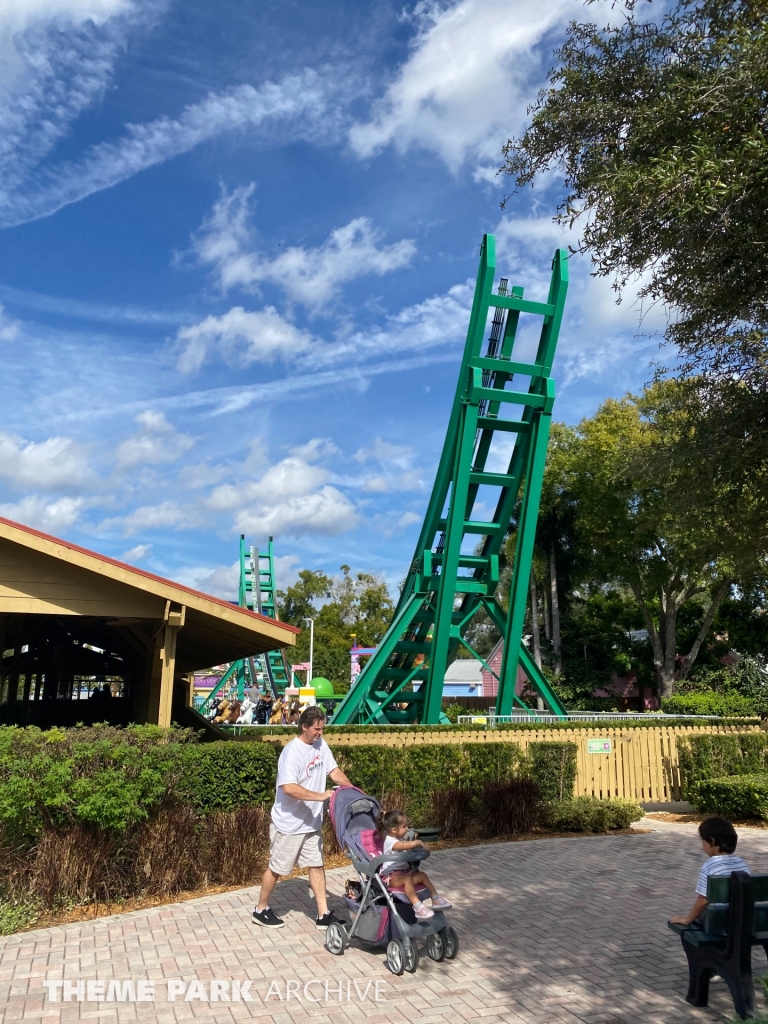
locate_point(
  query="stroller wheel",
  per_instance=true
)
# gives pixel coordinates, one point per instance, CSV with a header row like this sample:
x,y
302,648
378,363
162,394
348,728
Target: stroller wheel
x,y
436,946
396,956
451,942
335,938
411,957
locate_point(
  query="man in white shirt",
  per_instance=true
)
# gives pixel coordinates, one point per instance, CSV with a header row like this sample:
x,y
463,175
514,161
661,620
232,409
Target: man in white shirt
x,y
295,835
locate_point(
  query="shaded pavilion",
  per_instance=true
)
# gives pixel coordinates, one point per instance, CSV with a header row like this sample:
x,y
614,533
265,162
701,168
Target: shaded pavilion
x,y
72,620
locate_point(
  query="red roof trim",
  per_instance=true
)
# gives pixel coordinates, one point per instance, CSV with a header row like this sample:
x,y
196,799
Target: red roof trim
x,y
146,575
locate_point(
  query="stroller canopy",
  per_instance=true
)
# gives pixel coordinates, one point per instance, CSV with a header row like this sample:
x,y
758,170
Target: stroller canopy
x,y
352,812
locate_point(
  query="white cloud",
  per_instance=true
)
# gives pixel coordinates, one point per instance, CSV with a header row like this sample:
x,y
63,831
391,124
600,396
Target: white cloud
x,y
299,97
136,554
156,442
326,512
314,449
223,581
293,497
599,338
241,338
168,515
438,321
312,276
42,514
397,462
467,82
9,329
50,465
408,519
382,451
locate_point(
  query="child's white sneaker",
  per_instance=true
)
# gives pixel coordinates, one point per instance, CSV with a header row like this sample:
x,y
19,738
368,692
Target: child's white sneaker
x,y
441,903
422,912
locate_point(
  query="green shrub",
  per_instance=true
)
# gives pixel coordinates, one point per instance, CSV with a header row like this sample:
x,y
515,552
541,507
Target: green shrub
x,y
717,755
552,766
453,711
725,705
738,796
221,776
61,779
417,770
588,814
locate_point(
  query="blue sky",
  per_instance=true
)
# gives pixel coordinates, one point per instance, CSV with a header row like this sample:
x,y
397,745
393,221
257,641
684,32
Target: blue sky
x,y
237,249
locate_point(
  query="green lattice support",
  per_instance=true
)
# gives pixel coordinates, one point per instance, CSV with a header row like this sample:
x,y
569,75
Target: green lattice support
x,y
455,568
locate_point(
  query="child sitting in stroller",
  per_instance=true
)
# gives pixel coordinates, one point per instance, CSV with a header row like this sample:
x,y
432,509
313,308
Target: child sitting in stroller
x,y
392,827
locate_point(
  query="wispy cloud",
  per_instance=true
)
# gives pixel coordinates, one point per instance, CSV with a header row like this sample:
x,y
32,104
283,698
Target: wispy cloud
x,y
467,82
311,276
298,103
56,59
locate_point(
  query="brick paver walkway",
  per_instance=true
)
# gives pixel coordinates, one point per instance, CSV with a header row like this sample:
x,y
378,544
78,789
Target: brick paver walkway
x,y
557,930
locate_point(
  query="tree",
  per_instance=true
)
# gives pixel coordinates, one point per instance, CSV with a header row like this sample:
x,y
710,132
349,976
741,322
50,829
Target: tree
x,y
357,605
659,129
655,522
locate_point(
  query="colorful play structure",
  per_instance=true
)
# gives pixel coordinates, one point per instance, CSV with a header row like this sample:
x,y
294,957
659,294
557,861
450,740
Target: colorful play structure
x,y
454,572
455,568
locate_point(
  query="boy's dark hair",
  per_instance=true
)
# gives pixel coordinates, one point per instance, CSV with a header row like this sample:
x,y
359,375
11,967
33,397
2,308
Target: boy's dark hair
x,y
389,819
719,832
309,716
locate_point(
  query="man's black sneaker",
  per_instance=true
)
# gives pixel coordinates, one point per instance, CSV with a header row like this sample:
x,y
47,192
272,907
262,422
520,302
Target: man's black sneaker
x,y
326,919
268,918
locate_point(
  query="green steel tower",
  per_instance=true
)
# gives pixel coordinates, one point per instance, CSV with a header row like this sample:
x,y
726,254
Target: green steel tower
x,y
258,592
455,568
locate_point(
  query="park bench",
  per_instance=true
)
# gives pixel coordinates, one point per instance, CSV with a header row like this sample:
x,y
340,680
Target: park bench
x,y
735,921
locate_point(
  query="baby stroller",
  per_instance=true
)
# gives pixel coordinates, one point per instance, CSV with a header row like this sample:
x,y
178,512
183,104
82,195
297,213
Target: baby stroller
x,y
382,916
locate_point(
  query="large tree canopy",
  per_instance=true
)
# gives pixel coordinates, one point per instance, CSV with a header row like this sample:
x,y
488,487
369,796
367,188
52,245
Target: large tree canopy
x,y
660,131
655,520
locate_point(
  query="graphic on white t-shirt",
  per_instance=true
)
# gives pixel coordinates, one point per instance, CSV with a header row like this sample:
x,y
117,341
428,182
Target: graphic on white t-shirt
x,y
307,764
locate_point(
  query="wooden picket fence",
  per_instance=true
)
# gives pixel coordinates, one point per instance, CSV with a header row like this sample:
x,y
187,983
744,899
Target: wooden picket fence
x,y
641,764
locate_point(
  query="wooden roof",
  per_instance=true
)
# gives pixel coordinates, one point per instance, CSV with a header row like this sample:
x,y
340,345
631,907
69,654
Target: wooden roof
x,y
44,575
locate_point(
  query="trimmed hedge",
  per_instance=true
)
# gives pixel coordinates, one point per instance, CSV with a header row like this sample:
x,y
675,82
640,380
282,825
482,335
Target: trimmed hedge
x,y
714,756
725,705
740,796
652,721
588,814
114,779
416,771
552,766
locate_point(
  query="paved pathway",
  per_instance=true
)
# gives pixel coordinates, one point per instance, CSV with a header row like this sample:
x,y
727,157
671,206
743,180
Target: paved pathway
x,y
557,930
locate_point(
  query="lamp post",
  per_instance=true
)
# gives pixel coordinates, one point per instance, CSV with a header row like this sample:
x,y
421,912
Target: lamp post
x,y
311,648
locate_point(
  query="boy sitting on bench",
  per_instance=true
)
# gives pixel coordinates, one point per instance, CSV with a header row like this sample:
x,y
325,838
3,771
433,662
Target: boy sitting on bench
x,y
718,841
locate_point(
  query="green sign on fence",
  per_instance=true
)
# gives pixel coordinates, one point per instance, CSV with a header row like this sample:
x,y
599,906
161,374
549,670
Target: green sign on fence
x,y
599,746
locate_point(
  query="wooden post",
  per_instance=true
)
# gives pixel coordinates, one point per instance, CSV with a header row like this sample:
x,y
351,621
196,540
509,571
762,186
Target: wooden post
x,y
164,666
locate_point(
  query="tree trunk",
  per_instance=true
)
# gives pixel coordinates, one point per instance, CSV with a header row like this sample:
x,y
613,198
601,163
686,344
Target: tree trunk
x,y
536,634
555,612
715,603
545,609
535,622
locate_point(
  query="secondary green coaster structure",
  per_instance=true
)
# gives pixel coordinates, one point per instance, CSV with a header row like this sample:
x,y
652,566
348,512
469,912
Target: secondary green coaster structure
x,y
455,568
258,591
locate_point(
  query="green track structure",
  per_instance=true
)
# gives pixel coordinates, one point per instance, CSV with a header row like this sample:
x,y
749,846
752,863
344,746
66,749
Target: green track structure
x,y
455,568
258,592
